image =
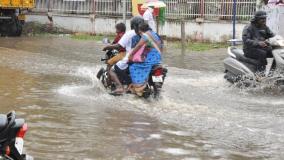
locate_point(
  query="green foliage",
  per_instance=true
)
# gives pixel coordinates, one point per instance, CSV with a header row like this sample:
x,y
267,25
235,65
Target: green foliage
x,y
201,46
90,37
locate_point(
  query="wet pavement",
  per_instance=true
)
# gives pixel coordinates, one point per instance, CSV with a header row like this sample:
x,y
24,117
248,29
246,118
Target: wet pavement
x,y
50,81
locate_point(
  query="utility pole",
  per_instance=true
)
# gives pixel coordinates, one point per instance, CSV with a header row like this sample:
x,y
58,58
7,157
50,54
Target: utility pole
x,y
124,11
234,19
182,36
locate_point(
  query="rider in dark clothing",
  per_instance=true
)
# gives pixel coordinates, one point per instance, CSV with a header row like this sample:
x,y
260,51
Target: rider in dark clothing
x,y
255,37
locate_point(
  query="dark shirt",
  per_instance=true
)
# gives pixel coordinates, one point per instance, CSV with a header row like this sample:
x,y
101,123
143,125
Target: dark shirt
x,y
253,35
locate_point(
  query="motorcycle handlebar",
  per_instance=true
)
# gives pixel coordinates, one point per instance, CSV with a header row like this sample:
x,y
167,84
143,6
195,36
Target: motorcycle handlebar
x,y
12,116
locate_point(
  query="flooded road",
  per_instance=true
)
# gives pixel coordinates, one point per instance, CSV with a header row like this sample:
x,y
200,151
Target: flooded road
x,y
50,81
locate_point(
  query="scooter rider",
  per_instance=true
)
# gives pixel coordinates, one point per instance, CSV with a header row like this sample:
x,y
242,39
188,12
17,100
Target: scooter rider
x,y
119,73
255,37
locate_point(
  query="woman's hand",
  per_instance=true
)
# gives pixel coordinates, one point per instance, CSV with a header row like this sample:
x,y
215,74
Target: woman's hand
x,y
138,46
130,55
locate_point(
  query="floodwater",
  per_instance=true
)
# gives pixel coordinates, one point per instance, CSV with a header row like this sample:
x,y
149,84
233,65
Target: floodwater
x,y
50,81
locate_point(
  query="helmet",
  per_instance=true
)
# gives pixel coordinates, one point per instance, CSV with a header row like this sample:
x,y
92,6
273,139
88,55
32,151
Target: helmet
x,y
135,21
260,14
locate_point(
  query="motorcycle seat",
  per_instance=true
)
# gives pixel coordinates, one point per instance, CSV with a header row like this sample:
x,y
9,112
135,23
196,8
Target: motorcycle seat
x,y
237,51
241,57
3,121
157,66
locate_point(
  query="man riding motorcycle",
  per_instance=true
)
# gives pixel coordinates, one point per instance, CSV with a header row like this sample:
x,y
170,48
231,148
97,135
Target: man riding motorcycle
x,y
255,36
119,73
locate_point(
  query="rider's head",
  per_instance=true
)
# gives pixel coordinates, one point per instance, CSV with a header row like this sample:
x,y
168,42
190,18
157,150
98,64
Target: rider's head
x,y
135,22
260,18
120,27
143,27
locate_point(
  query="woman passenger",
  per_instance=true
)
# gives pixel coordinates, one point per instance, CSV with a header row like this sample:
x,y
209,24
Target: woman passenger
x,y
139,72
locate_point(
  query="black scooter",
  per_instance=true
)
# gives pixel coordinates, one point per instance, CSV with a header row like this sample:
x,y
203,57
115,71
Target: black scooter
x,y
155,81
12,132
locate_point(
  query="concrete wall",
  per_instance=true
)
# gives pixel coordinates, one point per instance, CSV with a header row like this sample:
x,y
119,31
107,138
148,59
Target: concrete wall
x,y
211,31
275,19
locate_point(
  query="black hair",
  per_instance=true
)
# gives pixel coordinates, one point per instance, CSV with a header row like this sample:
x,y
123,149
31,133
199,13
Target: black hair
x,y
135,21
144,27
121,27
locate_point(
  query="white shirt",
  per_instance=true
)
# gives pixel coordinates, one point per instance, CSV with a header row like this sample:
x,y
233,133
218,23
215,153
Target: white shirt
x,y
125,42
148,16
272,1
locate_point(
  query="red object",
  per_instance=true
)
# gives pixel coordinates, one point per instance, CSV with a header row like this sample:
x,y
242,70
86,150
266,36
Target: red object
x,y
158,72
22,131
156,12
142,10
8,151
116,40
117,37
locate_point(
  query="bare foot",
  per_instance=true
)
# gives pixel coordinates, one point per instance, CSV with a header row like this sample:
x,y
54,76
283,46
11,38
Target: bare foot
x,y
130,88
139,90
119,90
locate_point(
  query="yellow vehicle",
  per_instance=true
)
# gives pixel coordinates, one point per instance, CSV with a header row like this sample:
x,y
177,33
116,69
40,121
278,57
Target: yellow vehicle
x,y
12,16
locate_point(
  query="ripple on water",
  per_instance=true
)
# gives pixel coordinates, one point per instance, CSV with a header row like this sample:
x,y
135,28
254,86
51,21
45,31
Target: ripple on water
x,y
199,102
154,136
175,151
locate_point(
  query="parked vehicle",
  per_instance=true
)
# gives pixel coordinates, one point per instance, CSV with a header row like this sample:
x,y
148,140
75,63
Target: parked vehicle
x,y
12,16
12,132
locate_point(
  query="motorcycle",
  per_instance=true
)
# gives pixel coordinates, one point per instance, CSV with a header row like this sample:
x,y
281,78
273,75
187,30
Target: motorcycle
x,y
239,68
12,132
155,81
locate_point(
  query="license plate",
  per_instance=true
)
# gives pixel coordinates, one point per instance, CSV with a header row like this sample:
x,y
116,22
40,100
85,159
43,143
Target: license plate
x,y
19,144
157,78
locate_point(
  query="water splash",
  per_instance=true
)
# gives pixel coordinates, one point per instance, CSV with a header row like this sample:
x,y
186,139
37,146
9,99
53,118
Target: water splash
x,y
92,91
88,73
272,85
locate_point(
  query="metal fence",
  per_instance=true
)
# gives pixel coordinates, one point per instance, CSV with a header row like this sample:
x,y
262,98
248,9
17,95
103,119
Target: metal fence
x,y
176,9
99,7
65,6
112,7
210,9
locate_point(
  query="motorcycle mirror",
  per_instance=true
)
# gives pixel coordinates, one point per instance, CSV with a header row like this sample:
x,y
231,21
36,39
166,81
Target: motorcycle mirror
x,y
234,42
106,41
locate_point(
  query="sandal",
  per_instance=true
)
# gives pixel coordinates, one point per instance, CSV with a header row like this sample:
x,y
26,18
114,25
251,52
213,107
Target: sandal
x,y
118,91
